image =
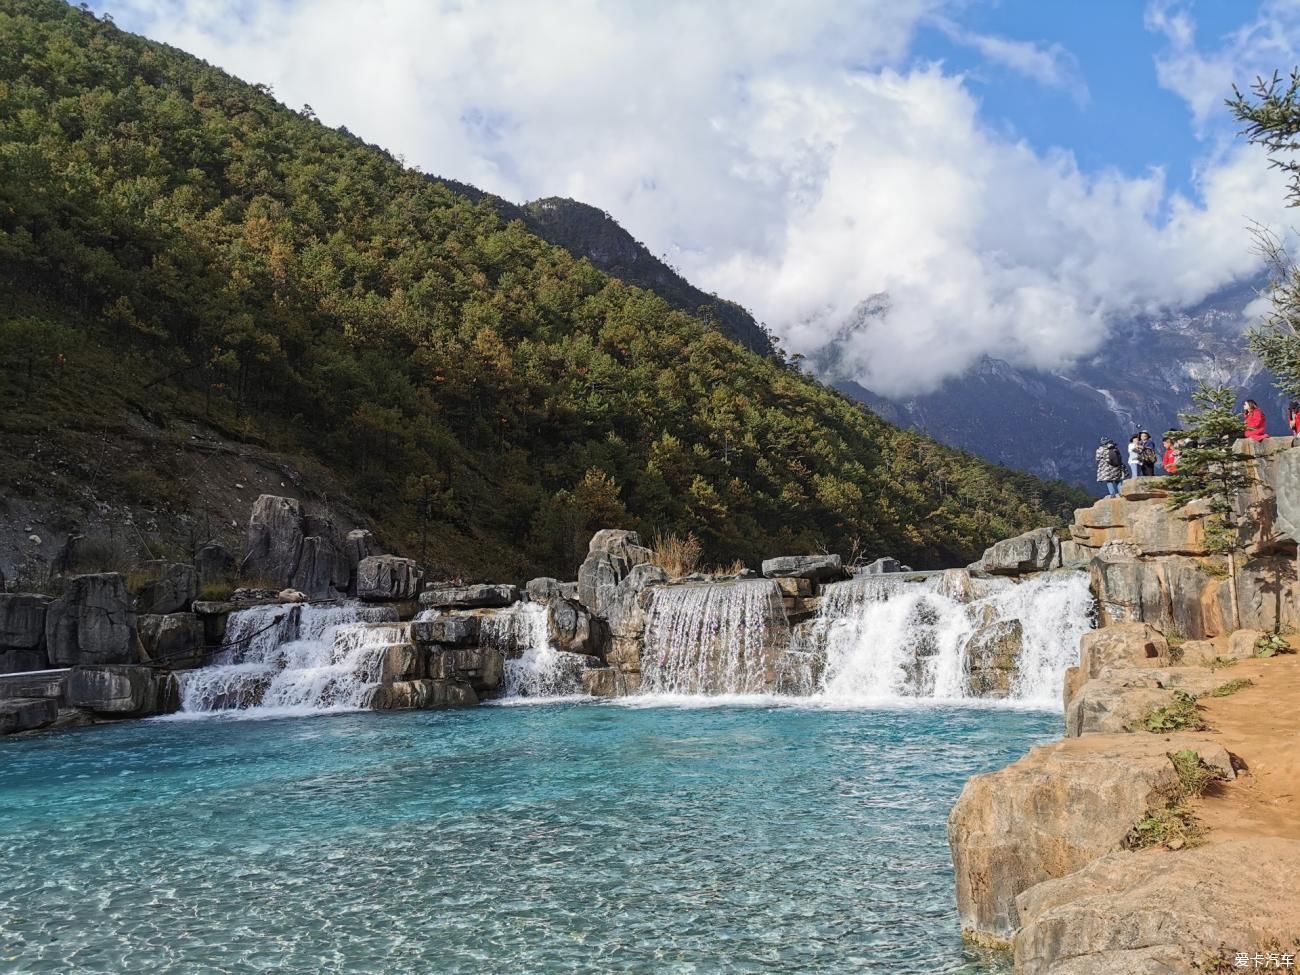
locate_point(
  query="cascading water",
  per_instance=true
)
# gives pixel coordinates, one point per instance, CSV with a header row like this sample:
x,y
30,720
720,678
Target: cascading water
x,y
296,657
885,638
715,638
533,667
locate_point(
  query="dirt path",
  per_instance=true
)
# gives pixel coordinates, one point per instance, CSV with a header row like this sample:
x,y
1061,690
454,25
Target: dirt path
x,y
1261,725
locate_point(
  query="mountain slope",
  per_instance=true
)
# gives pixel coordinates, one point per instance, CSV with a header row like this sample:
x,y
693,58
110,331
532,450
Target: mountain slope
x,y
178,248
586,232
1050,423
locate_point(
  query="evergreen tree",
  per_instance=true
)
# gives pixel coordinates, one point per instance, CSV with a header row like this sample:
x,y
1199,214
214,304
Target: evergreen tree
x,y
1210,469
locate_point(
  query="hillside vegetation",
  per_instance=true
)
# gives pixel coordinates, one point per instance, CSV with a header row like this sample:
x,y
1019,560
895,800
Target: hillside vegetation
x,y
177,245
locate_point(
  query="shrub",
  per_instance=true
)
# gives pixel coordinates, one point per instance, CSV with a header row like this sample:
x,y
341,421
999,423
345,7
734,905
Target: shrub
x,y
1218,662
1181,714
676,555
1272,645
1194,776
1232,687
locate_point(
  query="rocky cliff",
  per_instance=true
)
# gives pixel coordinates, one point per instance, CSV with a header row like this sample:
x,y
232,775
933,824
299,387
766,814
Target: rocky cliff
x,y
1159,835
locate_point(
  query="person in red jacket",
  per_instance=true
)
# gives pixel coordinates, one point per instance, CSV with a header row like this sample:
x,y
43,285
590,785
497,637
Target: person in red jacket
x,y
1293,418
1170,460
1254,417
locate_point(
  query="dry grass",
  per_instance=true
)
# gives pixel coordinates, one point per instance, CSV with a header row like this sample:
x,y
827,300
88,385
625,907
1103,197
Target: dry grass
x,y
676,555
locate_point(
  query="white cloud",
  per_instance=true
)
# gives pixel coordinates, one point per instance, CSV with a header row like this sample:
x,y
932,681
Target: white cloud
x,y
790,156
1048,64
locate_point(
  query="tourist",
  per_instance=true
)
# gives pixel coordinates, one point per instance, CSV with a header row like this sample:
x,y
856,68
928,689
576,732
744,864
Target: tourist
x,y
1293,417
1135,454
1148,453
1110,466
1254,418
1170,460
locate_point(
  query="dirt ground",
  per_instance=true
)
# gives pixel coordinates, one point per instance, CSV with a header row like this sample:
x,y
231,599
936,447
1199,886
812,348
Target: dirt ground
x,y
1261,726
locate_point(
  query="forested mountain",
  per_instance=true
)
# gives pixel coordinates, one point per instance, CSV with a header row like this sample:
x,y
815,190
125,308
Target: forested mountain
x,y
180,250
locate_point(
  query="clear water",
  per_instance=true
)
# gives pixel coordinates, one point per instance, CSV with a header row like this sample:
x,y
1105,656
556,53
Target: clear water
x,y
589,837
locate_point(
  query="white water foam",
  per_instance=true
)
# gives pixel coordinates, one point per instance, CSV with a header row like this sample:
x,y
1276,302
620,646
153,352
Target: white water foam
x,y
535,671
897,639
293,659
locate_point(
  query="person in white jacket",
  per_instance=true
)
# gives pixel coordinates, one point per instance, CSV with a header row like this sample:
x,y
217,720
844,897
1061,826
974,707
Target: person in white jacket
x,y
1135,454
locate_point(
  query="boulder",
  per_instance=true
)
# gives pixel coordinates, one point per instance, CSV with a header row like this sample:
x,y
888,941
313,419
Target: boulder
x,y
625,613
26,713
545,588
175,639
481,667
398,662
1143,488
422,694
22,620
1034,551
167,587
17,660
818,568
1122,645
994,655
1074,555
469,597
32,685
795,587
570,628
213,617
1135,913
1120,700
610,682
387,578
1055,810
214,563
611,555
451,631
92,622
881,566
1156,530
118,690
288,548
290,596
275,536
1286,488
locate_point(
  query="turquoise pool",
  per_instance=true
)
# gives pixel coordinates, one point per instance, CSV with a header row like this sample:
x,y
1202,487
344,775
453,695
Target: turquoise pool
x,y
572,837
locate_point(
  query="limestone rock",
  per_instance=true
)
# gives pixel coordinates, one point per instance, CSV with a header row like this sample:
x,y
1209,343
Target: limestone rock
x,y
119,690
626,616
572,629
1053,811
214,563
1120,699
469,597
1286,487
481,667
288,548
1122,645
175,639
796,587
818,568
22,620
611,555
542,589
1034,551
92,622
1143,488
170,587
1241,644
994,655
1156,911
290,596
881,566
26,714
610,682
452,631
22,632
388,578
398,662
423,694
32,685
1074,555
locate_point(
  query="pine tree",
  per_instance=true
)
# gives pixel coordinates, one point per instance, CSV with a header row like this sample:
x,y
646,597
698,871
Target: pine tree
x,y
1210,469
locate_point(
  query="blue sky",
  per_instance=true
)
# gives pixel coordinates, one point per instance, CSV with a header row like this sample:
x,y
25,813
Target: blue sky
x,y
1015,175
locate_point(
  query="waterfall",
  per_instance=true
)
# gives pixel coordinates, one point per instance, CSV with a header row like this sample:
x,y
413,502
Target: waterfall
x,y
298,657
715,638
533,668
949,637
